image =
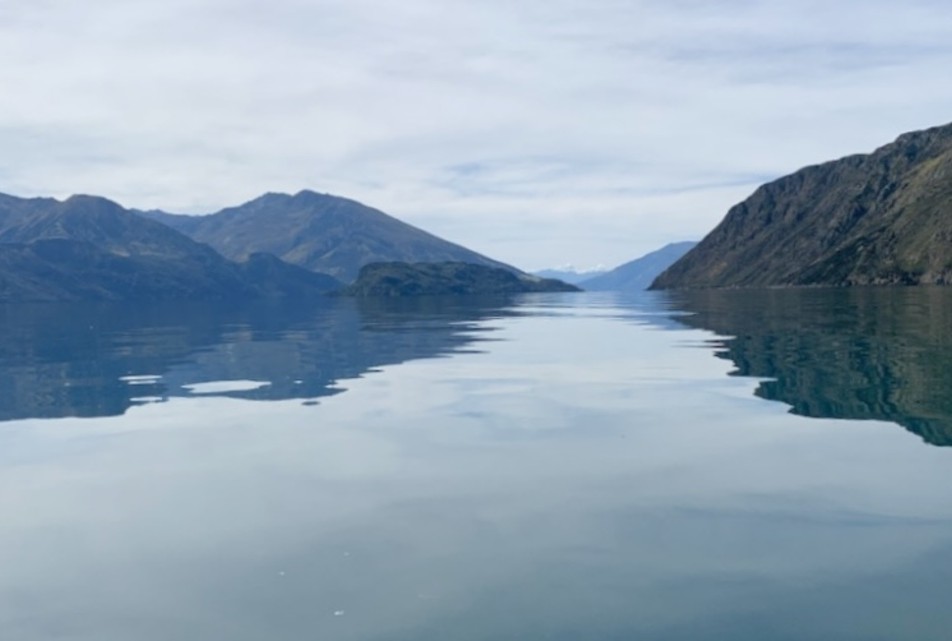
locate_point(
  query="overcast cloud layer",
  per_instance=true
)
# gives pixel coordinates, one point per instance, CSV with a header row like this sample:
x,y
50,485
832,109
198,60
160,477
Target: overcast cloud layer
x,y
539,132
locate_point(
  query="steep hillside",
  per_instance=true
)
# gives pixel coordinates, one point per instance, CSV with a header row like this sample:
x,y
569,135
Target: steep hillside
x,y
320,232
638,274
879,219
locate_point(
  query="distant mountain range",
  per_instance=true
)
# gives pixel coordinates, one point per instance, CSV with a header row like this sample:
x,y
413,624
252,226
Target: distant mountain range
x,y
570,276
638,274
88,247
319,232
883,218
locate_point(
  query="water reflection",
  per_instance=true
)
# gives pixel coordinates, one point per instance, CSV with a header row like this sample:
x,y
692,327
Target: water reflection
x,y
100,359
586,477
865,353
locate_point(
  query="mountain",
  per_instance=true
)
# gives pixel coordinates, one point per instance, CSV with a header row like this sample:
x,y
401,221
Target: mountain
x,y
447,278
320,232
883,218
88,247
638,274
570,276
271,276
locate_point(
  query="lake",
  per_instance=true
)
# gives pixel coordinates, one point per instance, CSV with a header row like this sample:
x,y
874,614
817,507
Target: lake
x,y
714,465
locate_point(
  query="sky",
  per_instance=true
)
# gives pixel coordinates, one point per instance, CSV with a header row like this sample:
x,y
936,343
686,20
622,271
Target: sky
x,y
539,132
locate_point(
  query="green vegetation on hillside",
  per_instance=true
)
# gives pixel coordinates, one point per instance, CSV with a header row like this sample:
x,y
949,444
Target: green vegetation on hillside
x,y
447,278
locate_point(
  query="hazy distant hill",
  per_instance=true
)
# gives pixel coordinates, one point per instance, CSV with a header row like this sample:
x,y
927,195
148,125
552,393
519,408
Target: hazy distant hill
x,y
88,247
569,276
448,278
323,233
638,274
879,219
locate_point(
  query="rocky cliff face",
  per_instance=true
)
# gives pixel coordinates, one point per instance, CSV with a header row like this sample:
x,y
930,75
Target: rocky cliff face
x,y
879,219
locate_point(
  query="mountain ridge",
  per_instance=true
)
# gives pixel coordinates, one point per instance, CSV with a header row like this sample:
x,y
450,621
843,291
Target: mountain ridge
x,y
320,232
882,218
89,247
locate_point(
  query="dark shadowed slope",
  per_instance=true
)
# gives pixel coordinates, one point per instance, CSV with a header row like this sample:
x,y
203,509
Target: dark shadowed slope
x,y
878,219
638,274
320,232
441,279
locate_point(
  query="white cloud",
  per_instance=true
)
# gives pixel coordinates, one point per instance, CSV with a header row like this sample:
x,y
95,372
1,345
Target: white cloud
x,y
537,132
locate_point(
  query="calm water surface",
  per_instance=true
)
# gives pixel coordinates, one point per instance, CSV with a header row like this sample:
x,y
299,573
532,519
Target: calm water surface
x,y
568,467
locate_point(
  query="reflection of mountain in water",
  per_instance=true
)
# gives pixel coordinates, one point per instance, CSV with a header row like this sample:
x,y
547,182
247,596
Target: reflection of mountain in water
x,y
880,353
99,359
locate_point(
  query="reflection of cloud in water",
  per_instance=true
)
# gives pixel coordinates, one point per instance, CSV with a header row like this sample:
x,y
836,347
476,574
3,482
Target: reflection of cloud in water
x,y
146,379
221,387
